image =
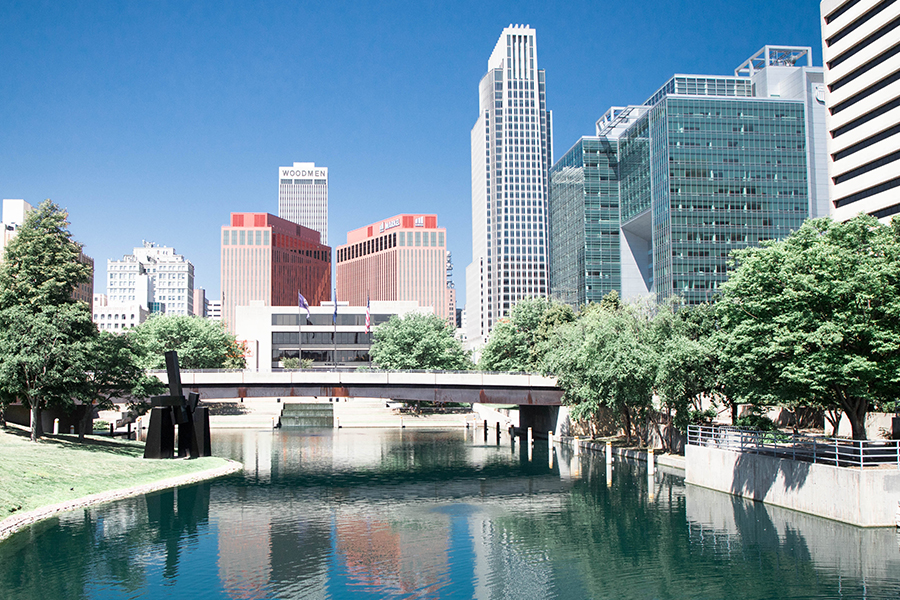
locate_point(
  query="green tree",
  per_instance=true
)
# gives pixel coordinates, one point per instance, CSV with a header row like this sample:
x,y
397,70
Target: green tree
x,y
688,367
606,359
200,343
115,372
45,335
418,341
516,343
815,319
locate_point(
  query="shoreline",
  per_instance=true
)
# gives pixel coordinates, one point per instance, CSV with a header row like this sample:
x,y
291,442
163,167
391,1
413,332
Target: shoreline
x,y
14,523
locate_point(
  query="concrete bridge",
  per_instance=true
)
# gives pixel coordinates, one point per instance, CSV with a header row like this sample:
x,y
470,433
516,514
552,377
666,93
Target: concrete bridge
x,y
537,396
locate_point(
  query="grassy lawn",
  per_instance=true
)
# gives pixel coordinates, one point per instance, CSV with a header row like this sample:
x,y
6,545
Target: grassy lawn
x,y
59,468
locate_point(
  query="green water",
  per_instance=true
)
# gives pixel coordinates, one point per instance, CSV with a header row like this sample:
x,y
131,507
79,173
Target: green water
x,y
413,514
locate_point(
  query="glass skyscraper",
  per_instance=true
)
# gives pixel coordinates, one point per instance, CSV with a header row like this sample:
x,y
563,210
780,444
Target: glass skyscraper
x,y
511,157
707,165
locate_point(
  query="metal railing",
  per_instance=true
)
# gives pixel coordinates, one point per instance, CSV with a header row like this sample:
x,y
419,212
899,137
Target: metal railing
x,y
838,452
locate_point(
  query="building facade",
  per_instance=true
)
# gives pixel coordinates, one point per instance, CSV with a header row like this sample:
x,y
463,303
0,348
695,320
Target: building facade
x,y
271,333
201,304
303,196
117,318
268,259
861,50
658,199
511,156
403,258
154,277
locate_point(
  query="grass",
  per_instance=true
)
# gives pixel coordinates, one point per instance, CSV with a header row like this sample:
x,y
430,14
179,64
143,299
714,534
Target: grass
x,y
59,468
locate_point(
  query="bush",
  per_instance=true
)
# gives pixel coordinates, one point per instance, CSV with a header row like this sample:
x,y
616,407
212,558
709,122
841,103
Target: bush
x,y
756,421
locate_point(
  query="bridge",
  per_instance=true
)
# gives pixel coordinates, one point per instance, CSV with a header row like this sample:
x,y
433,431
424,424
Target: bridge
x,y
538,396
466,387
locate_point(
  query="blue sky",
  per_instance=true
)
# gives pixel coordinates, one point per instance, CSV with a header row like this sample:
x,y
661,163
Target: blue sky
x,y
154,120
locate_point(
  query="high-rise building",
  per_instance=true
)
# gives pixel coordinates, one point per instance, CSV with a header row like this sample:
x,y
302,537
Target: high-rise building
x,y
269,260
657,200
403,258
154,277
201,304
512,152
303,197
861,50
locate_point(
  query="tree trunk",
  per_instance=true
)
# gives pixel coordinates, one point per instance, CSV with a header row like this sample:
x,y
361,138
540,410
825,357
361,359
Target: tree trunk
x,y
834,417
627,416
734,412
36,430
856,409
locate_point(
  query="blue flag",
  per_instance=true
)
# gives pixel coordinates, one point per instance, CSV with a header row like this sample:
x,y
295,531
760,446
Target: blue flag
x,y
334,317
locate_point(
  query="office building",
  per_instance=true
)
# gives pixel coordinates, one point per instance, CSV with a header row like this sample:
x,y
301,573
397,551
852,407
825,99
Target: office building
x,y
303,196
511,155
117,318
201,304
271,333
214,310
267,259
861,51
154,277
403,258
657,200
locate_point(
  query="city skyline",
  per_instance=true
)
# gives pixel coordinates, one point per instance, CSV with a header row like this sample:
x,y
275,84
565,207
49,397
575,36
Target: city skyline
x,y
155,122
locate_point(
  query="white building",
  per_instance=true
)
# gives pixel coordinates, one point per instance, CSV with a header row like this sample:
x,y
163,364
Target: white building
x,y
214,310
117,318
861,51
512,151
271,333
14,213
303,196
153,277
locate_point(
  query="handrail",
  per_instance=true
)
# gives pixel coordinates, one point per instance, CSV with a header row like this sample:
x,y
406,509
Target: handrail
x,y
839,452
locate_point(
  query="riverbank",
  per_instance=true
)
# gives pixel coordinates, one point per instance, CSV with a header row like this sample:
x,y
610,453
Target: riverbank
x,y
59,473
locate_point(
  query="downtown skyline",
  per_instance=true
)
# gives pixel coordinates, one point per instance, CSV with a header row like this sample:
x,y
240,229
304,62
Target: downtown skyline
x,y
155,122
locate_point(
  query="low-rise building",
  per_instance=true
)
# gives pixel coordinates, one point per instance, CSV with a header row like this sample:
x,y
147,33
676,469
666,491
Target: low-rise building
x,y
272,333
117,318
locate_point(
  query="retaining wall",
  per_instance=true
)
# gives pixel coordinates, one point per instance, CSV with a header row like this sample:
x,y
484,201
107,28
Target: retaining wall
x,y
867,497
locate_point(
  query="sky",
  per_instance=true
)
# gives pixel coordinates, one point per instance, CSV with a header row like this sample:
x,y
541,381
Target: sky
x,y
155,120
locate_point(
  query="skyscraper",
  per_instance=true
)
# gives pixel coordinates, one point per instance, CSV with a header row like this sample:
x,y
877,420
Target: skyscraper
x,y
303,197
269,260
656,202
511,155
861,49
401,258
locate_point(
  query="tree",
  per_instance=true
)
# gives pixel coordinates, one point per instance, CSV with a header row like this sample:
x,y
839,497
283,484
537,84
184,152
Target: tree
x,y
200,343
605,359
815,319
115,372
418,341
515,344
45,334
688,367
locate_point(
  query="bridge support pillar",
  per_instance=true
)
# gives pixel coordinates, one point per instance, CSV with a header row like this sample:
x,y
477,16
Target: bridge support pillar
x,y
538,418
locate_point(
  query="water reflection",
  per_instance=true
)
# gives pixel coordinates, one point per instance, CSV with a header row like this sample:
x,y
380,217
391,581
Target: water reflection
x,y
393,513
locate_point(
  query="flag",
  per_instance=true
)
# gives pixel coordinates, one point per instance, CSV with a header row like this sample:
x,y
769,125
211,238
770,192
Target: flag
x,y
367,314
334,317
301,302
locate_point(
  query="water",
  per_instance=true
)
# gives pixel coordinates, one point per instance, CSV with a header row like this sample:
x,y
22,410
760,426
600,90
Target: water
x,y
412,514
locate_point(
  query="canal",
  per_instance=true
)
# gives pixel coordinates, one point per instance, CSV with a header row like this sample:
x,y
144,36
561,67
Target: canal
x,y
356,513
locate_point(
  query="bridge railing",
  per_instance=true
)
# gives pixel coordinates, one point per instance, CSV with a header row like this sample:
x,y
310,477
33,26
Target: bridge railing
x,y
838,452
348,370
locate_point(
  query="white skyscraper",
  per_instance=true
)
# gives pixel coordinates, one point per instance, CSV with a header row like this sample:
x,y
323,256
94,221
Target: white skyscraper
x,y
512,151
861,51
303,196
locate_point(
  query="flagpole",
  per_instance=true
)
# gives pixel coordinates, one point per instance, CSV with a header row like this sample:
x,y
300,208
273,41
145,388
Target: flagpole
x,y
299,331
335,329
